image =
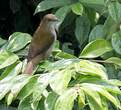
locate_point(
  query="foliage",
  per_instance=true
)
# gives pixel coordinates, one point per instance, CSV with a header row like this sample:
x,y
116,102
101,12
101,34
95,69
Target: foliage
x,y
83,75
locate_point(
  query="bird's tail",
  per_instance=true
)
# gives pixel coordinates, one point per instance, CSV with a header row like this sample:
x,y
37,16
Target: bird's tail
x,y
29,68
32,64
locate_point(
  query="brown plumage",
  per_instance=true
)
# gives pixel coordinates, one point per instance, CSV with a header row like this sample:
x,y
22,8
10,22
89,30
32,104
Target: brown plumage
x,y
41,44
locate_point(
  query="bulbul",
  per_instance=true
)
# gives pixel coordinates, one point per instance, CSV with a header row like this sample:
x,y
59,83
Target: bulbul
x,y
42,41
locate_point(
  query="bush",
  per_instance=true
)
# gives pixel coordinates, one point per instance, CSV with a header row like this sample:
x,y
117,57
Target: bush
x,y
83,72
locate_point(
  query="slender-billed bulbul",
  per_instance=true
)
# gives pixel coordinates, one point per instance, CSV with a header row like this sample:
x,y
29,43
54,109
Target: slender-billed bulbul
x,y
42,42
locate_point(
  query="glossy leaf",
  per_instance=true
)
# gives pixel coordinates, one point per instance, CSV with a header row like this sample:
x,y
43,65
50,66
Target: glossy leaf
x,y
8,70
100,89
77,8
111,98
116,42
98,5
25,104
65,48
39,88
2,41
10,98
62,12
5,86
95,2
114,9
66,100
81,99
7,58
115,82
18,41
5,107
50,101
96,48
27,89
48,4
12,70
61,64
93,94
92,104
82,29
8,84
59,80
93,69
19,82
62,55
114,60
110,27
96,33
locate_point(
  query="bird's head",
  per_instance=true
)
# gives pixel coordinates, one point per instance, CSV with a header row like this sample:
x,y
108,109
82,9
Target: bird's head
x,y
51,21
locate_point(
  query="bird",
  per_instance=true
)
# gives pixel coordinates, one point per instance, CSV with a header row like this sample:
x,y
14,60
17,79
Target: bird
x,y
42,42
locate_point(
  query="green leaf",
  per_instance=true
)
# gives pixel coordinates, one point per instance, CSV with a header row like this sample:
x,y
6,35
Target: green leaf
x,y
96,48
88,89
113,89
91,68
5,107
104,103
50,101
61,64
56,48
9,84
96,33
10,98
115,82
23,52
81,99
56,45
8,70
12,70
82,29
65,48
114,9
92,16
41,105
110,27
5,86
116,42
110,97
66,100
19,82
64,55
27,89
62,12
93,90
95,2
18,41
77,8
48,4
98,5
25,103
60,80
100,89
40,87
92,104
7,59
114,60
2,41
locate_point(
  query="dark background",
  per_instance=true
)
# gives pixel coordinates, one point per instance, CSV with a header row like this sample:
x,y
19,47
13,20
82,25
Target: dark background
x,y
17,15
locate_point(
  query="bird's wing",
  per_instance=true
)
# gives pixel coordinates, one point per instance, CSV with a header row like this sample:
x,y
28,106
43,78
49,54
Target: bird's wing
x,y
37,49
